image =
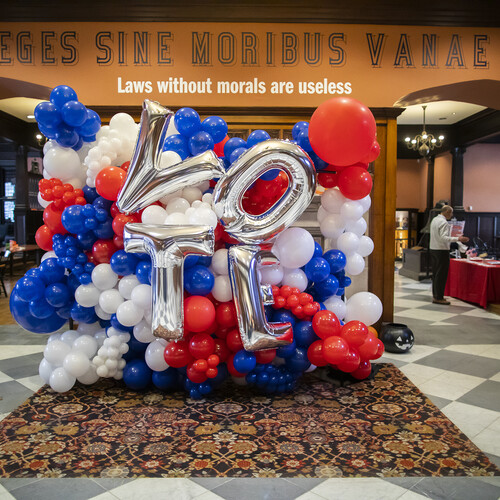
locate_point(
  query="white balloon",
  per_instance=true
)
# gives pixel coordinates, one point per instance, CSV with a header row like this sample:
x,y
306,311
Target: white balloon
x,y
100,313
69,337
45,370
128,314
271,275
169,158
176,218
365,246
366,203
41,201
332,200
351,210
109,300
207,198
153,214
127,284
104,277
87,295
365,307
322,213
332,226
124,123
86,344
49,145
63,163
220,262
100,337
348,243
191,194
89,377
54,336
102,371
165,199
76,363
294,247
296,278
222,288
61,380
358,227
177,205
143,332
336,305
154,355
203,216
354,264
141,296
88,328
48,255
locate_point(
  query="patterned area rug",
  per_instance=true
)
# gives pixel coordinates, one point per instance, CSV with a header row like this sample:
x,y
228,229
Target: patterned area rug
x,y
377,428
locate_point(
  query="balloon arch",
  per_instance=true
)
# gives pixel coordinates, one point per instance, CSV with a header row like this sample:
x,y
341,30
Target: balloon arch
x,y
170,245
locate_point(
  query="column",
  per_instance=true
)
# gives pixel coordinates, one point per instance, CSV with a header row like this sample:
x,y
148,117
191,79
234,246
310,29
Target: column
x,y
22,202
430,182
457,178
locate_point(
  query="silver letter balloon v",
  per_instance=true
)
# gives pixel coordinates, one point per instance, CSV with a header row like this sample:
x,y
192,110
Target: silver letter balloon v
x,y
168,245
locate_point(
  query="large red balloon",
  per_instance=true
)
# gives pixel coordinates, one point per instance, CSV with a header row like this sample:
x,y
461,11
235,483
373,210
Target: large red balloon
x,y
342,131
335,349
109,181
363,371
177,354
325,324
225,315
370,348
351,362
103,250
199,313
43,238
315,354
354,182
52,219
201,346
354,333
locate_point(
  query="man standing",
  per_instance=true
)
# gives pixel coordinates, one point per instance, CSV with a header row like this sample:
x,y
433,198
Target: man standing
x,y
440,253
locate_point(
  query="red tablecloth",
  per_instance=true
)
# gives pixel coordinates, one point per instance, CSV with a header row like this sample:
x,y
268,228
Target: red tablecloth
x,y
473,282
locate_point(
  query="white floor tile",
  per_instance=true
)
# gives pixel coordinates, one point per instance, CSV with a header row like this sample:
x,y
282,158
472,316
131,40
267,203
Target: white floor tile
x,y
13,351
354,489
459,303
450,385
5,378
402,294
33,383
5,495
495,426
418,286
481,313
208,495
419,374
104,496
411,495
310,496
496,378
408,304
488,441
424,315
415,353
471,420
3,415
441,323
486,350
180,489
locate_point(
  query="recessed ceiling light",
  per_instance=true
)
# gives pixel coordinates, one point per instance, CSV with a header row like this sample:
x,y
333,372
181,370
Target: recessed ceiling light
x,y
30,117
442,118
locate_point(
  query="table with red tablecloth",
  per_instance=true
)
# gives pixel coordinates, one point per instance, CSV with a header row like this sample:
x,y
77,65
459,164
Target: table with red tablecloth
x,y
473,281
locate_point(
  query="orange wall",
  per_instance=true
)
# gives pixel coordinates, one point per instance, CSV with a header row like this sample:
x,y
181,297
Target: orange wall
x,y
411,184
482,178
442,177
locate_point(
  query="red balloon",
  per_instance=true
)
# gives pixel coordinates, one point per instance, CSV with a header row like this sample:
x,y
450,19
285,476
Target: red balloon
x,y
201,346
325,324
109,181
355,182
43,238
233,340
225,315
199,313
266,356
327,179
195,375
118,241
315,354
374,153
121,219
103,250
52,219
231,369
221,350
354,333
219,147
364,370
177,354
380,349
342,131
335,349
369,348
351,362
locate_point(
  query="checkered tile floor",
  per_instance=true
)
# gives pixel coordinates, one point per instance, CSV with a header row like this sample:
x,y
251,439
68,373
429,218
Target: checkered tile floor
x,y
455,361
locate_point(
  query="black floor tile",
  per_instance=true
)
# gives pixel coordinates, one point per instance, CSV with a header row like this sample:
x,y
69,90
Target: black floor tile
x,y
250,489
21,366
10,484
51,489
13,394
210,482
439,402
456,488
485,395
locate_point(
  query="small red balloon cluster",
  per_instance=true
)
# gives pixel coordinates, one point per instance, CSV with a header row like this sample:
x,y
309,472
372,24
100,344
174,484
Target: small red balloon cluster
x,y
349,347
264,194
302,305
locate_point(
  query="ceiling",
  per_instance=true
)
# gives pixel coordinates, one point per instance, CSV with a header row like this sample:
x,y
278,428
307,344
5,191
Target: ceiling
x,y
20,107
439,113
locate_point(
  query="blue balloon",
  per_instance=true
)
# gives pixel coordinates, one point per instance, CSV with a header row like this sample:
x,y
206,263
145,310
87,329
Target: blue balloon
x,y
298,361
303,334
51,270
317,269
41,309
72,219
102,203
57,294
297,128
340,292
251,378
74,113
21,313
327,287
198,280
87,239
78,145
178,144
262,379
88,138
187,122
30,288
244,361
303,140
129,329
166,379
200,142
89,193
137,375
205,387
143,272
91,125
236,154
49,132
83,314
204,260
270,175
123,263
66,136
347,281
104,230
336,260
257,136
73,283
318,251
190,261
232,144
47,114
64,312
318,162
34,273
283,316
216,127
61,94
285,351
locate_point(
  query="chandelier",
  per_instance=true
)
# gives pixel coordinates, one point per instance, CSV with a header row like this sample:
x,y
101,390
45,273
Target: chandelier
x,y
424,143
